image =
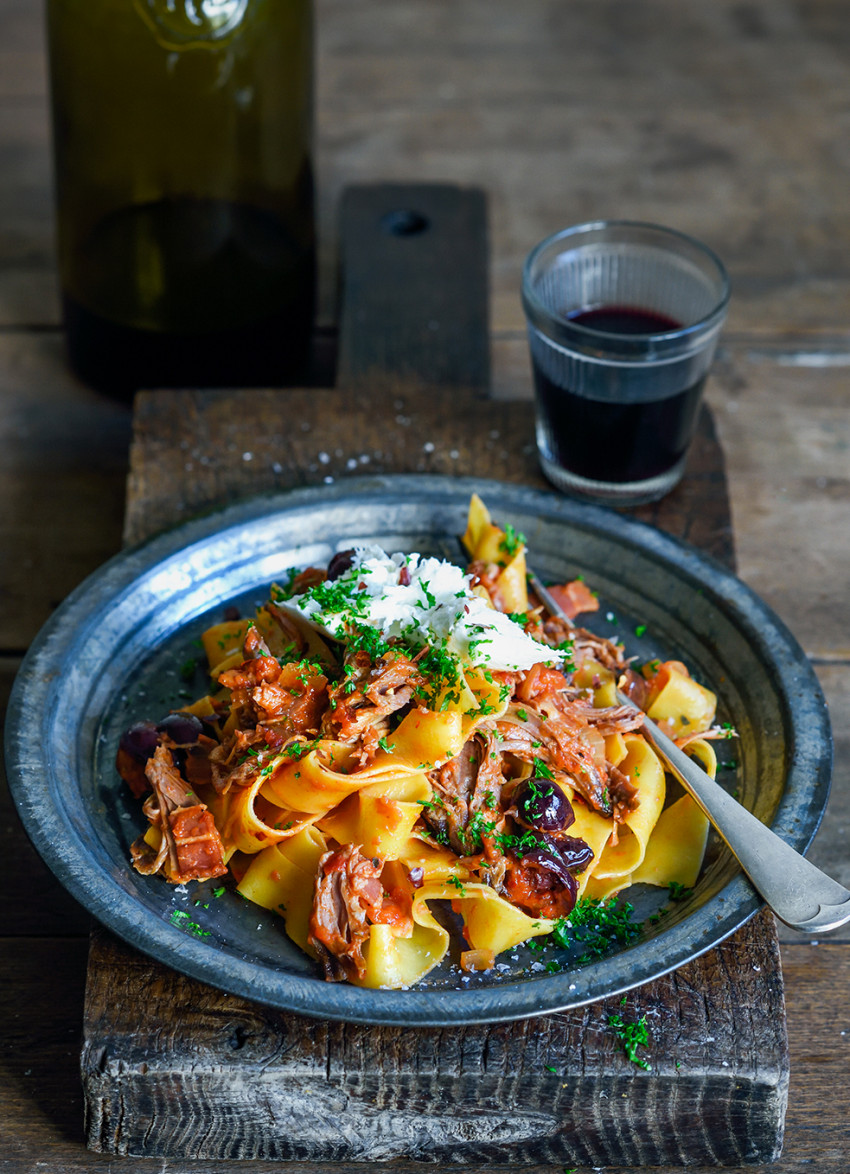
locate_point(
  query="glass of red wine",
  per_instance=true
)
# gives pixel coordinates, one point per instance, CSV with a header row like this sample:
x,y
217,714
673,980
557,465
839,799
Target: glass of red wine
x,y
623,320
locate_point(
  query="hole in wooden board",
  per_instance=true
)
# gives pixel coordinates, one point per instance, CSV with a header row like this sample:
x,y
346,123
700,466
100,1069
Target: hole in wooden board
x,y
404,222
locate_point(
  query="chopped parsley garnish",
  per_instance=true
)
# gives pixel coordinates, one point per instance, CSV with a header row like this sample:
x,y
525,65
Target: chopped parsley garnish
x,y
441,669
187,668
430,600
632,1035
364,638
512,541
183,921
678,892
481,710
597,926
542,771
567,647
518,845
478,827
477,641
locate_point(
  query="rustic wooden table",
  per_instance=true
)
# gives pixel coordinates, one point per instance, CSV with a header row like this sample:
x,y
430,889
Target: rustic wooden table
x,y
725,120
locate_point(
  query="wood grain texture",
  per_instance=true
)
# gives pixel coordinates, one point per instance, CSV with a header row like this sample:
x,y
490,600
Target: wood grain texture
x,y
62,476
41,1109
414,287
220,446
174,1081
726,120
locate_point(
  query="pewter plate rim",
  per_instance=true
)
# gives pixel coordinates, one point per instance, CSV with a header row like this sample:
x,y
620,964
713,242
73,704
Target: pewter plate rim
x,y
34,754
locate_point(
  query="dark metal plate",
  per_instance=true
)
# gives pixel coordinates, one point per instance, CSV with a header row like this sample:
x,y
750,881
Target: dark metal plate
x,y
113,652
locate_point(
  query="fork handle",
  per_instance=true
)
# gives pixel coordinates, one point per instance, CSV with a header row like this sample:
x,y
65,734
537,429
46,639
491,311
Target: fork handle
x,y
799,894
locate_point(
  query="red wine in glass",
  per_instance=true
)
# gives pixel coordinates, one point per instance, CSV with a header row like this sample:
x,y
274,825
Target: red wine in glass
x,y
617,442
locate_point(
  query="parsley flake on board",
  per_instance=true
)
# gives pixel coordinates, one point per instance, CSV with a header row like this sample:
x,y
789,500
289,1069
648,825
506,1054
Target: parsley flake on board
x,y
632,1035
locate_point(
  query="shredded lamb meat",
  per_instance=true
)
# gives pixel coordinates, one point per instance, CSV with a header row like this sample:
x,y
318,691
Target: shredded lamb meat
x,y
348,896
623,793
565,750
467,786
610,719
191,847
266,693
368,693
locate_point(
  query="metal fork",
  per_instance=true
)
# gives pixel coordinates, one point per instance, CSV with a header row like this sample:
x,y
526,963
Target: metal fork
x,y
799,894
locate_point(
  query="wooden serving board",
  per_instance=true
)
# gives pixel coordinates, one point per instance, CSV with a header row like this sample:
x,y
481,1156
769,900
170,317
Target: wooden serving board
x,y
175,1069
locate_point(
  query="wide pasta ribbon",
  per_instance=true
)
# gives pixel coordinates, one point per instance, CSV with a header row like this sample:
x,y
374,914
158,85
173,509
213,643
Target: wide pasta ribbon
x,y
282,878
381,816
490,924
329,774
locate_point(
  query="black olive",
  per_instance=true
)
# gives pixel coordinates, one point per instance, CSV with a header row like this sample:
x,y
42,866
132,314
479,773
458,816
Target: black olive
x,y
551,873
542,804
140,741
342,561
183,729
547,857
575,853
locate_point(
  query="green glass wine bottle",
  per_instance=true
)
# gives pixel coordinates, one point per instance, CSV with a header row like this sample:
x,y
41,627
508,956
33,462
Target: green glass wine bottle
x,y
184,186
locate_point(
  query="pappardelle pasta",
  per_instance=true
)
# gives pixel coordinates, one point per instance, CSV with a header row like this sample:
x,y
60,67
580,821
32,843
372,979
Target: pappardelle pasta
x,y
392,731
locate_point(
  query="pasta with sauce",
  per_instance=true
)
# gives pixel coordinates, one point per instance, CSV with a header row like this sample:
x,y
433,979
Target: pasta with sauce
x,y
391,731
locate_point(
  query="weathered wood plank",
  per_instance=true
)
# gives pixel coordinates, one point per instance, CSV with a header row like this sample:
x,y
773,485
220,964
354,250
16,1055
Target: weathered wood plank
x,y
780,409
783,427
829,850
783,421
414,281
40,1091
722,120
718,119
198,1059
64,458
276,440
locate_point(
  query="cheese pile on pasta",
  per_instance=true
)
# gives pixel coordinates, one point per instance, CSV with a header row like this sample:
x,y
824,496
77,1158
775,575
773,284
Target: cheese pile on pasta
x,y
390,731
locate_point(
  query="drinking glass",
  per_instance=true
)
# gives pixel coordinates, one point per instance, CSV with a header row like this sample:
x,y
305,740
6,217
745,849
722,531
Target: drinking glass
x,y
623,319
